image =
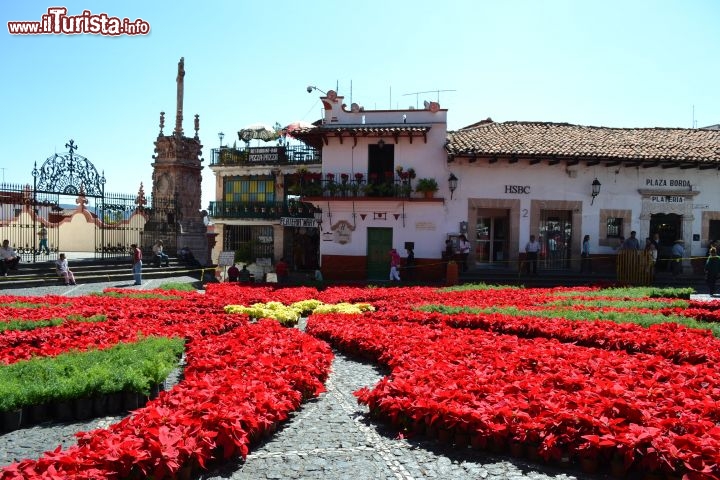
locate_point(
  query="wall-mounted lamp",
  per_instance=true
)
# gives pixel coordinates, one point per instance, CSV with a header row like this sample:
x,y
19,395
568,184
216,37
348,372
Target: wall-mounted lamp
x,y
452,184
595,190
381,143
221,135
310,88
318,214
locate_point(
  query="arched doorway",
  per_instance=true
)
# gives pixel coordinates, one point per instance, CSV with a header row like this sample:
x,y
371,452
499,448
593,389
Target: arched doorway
x,y
669,227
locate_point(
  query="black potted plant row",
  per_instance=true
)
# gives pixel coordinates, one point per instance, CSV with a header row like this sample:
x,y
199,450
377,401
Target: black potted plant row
x,y
83,385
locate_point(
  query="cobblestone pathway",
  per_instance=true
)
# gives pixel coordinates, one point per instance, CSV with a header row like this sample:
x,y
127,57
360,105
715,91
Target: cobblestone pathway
x,y
331,438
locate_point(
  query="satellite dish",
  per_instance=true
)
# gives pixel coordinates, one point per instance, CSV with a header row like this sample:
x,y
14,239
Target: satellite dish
x,y
426,104
332,95
434,106
354,108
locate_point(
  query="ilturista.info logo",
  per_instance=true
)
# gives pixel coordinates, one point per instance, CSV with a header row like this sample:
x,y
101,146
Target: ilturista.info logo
x,y
57,22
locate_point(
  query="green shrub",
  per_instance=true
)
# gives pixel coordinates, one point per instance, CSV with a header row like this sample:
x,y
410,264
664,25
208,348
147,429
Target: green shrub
x,y
126,366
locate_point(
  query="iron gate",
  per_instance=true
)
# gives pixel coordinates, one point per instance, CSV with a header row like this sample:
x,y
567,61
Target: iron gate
x,y
29,221
32,217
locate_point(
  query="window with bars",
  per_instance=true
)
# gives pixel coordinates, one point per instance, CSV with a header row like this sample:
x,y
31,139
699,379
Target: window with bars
x,y
249,241
614,227
249,189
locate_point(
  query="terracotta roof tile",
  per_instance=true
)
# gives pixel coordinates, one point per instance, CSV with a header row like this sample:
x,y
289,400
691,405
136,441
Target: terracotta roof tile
x,y
566,140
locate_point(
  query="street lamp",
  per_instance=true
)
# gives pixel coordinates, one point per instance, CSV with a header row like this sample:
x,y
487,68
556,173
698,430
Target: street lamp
x,y
310,88
595,190
452,184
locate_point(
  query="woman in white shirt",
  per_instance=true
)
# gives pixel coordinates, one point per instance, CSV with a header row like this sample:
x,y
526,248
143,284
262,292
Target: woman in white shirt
x,y
64,271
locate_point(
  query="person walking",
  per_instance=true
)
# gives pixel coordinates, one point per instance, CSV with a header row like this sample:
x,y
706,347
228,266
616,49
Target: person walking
x,y
651,254
137,263
632,243
43,236
678,252
233,273
464,250
244,276
282,269
62,269
532,249
449,252
410,264
585,262
394,265
712,268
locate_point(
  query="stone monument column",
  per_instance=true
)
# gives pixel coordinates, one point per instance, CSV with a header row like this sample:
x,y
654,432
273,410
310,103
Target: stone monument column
x,y
175,214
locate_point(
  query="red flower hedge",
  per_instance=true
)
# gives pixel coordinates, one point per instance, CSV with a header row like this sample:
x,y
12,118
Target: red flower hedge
x,y
565,388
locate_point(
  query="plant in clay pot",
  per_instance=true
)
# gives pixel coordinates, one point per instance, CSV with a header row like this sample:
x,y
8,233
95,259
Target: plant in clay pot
x,y
427,186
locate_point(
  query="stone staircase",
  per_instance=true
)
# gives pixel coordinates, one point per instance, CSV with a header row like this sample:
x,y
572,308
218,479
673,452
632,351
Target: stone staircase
x,y
92,271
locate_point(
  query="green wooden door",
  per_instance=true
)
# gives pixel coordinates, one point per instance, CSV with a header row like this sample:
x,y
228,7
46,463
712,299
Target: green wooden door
x,y
379,243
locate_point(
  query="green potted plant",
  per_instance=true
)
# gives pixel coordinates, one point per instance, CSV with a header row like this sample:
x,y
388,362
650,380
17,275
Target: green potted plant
x,y
427,186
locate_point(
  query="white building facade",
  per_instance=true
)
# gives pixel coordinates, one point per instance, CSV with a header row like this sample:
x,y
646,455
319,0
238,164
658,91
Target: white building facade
x,y
558,182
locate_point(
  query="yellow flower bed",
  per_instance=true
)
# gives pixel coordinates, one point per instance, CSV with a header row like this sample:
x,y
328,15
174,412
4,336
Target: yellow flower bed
x,y
289,315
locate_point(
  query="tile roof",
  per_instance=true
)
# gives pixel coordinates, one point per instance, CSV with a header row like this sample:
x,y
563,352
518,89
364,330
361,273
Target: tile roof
x,y
542,139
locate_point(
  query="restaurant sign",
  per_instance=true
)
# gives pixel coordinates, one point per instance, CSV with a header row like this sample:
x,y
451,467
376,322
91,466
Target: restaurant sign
x,y
298,222
266,154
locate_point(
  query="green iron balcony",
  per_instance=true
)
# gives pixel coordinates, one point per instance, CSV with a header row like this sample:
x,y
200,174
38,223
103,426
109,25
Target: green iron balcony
x,y
259,210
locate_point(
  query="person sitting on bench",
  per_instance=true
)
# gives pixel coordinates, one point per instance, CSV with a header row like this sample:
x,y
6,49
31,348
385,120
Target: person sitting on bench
x,y
160,256
63,271
8,258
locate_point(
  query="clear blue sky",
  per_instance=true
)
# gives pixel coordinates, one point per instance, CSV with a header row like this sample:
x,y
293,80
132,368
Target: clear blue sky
x,y
614,63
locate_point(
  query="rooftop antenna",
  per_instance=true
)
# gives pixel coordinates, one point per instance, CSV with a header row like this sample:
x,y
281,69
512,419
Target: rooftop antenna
x,y
694,122
417,95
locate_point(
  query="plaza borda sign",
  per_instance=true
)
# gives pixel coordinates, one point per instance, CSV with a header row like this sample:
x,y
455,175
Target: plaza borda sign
x,y
665,182
298,222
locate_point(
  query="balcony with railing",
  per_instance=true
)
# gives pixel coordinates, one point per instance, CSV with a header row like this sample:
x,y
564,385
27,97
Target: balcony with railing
x,y
346,186
274,155
259,210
